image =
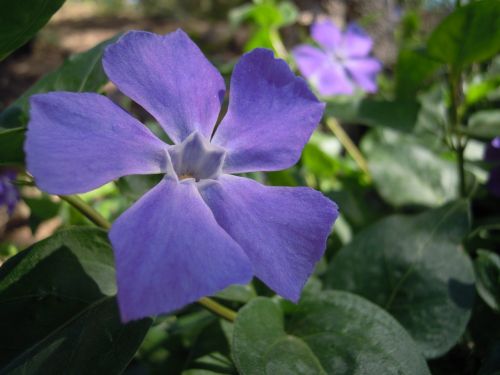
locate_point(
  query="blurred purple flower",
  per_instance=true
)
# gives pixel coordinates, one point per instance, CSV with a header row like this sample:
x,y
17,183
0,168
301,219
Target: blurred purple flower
x,y
492,155
200,229
9,195
343,61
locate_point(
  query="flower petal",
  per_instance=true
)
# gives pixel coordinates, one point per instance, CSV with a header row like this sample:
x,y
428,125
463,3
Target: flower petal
x,y
170,251
332,80
271,115
170,77
78,142
364,72
283,230
309,59
356,42
326,34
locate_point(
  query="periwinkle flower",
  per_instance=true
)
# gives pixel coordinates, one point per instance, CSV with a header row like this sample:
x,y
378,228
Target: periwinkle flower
x,y
492,155
342,62
9,194
201,228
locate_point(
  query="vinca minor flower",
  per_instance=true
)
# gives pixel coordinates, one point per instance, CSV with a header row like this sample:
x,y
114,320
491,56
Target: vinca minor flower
x,y
493,155
341,63
201,228
9,195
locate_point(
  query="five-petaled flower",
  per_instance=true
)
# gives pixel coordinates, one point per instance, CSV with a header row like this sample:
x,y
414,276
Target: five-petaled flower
x,y
341,63
9,195
201,228
492,155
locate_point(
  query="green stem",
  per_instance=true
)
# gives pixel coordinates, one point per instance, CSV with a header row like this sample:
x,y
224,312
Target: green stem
x,y
86,210
454,84
348,144
278,44
95,217
218,309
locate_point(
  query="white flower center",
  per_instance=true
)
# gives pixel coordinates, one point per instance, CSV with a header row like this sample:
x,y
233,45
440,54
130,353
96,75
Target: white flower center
x,y
197,158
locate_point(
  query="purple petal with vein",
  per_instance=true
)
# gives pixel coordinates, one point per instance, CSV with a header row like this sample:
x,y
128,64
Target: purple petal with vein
x,y
170,251
282,230
272,113
78,142
170,77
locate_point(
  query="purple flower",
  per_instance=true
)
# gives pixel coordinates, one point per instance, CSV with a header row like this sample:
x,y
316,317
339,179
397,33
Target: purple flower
x,y
342,61
9,195
201,228
493,155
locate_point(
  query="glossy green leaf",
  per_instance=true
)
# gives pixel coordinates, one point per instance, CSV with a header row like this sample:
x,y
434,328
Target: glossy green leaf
x,y
81,72
329,333
406,172
11,146
487,267
58,311
413,70
400,114
20,20
469,34
413,267
484,124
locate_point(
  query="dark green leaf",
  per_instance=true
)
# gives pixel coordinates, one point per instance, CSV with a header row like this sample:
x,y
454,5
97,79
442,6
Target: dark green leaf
x,y
487,266
329,333
20,20
408,173
413,69
469,34
484,124
56,299
399,114
94,341
11,146
415,269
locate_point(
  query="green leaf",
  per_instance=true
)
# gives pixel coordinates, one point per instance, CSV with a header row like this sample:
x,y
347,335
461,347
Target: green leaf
x,y
329,333
484,124
81,72
58,311
11,146
237,293
487,267
400,114
413,267
469,34
408,173
413,70
20,20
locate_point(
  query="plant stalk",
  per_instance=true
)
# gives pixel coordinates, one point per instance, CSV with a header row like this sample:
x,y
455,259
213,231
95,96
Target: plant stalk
x,y
348,144
454,84
96,218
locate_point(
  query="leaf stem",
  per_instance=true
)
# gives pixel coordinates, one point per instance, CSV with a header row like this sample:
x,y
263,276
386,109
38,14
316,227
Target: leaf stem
x,y
278,44
218,309
96,218
348,144
454,85
86,210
